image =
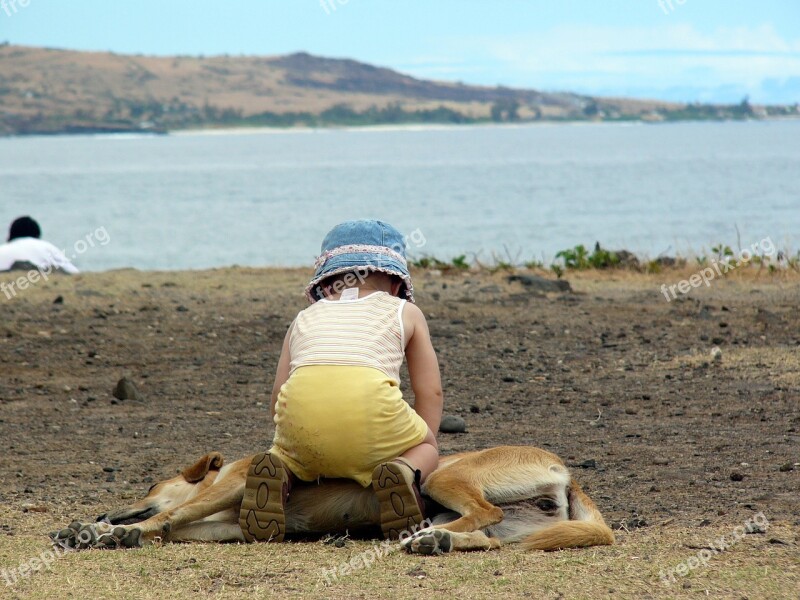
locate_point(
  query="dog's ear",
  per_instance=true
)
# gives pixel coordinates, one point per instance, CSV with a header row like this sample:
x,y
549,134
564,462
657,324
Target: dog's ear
x,y
197,472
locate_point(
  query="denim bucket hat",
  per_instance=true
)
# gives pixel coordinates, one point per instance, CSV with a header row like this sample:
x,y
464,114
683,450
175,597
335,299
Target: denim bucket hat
x,y
364,246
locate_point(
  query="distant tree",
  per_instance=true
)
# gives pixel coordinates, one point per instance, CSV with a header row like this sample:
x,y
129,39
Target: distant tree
x,y
496,112
745,109
512,113
591,109
505,109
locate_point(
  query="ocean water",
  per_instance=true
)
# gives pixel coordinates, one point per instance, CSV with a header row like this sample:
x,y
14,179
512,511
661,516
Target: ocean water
x,y
518,193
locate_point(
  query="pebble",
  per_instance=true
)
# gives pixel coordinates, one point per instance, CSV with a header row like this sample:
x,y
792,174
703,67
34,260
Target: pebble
x,y
635,523
754,528
785,468
453,424
716,353
736,476
126,390
777,541
660,461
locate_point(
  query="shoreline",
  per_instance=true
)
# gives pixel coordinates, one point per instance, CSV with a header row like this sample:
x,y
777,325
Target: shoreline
x,y
403,127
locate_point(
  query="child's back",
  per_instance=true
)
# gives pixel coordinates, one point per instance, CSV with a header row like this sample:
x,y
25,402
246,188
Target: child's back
x,y
336,401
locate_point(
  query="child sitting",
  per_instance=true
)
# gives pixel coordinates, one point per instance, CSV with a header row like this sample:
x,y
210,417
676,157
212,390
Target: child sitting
x,y
336,401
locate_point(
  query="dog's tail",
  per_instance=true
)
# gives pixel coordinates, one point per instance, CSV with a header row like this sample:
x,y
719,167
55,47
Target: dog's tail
x,y
585,527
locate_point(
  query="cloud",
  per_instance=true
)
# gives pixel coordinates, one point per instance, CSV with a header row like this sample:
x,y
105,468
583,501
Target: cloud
x,y
663,60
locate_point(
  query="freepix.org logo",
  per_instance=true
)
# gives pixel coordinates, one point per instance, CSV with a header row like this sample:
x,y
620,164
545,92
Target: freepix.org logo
x,y
718,268
12,7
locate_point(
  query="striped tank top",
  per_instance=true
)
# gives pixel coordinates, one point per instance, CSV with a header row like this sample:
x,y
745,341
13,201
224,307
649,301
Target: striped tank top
x,y
364,332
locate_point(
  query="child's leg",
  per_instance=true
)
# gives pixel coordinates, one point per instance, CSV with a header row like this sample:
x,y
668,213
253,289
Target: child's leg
x,y
424,457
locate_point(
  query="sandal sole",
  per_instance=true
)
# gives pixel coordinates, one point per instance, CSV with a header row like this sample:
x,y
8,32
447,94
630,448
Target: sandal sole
x,y
399,511
261,516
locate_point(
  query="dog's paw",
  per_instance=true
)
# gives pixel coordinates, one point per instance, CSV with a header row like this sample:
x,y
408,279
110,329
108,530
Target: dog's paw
x,y
67,537
82,536
429,541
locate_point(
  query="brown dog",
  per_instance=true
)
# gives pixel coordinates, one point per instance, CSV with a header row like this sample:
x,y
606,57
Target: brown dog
x,y
482,499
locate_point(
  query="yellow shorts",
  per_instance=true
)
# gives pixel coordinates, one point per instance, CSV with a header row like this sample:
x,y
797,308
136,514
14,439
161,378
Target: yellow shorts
x,y
341,421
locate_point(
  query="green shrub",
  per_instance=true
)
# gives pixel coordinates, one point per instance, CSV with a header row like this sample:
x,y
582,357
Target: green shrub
x,y
579,258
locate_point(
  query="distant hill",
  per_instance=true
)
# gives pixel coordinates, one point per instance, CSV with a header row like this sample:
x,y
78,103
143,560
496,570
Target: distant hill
x,y
61,91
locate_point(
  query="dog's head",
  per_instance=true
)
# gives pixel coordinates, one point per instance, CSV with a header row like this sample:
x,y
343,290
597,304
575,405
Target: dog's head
x,y
168,493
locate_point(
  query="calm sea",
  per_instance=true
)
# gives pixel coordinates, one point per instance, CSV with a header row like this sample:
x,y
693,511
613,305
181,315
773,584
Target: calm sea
x,y
267,198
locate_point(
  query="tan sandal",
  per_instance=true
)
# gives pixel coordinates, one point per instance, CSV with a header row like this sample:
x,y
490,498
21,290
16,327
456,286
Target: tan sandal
x,y
396,485
262,517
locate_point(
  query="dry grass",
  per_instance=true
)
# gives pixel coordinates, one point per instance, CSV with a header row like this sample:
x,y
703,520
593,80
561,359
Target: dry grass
x,y
753,568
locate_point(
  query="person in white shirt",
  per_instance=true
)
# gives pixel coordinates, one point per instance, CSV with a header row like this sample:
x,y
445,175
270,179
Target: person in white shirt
x,y
24,248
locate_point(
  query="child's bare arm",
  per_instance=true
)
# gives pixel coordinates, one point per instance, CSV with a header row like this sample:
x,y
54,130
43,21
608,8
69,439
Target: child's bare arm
x,y
423,367
281,373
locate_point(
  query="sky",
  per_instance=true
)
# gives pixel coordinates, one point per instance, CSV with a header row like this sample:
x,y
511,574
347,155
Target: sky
x,y
680,50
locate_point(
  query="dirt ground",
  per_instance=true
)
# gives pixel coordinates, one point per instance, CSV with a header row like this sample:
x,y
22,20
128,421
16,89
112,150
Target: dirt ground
x,y
675,447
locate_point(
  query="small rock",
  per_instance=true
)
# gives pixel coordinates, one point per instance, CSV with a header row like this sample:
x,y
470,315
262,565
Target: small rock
x,y
785,468
474,409
182,308
634,522
736,476
417,572
660,461
777,541
589,463
453,424
754,528
704,523
126,390
59,300
716,353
